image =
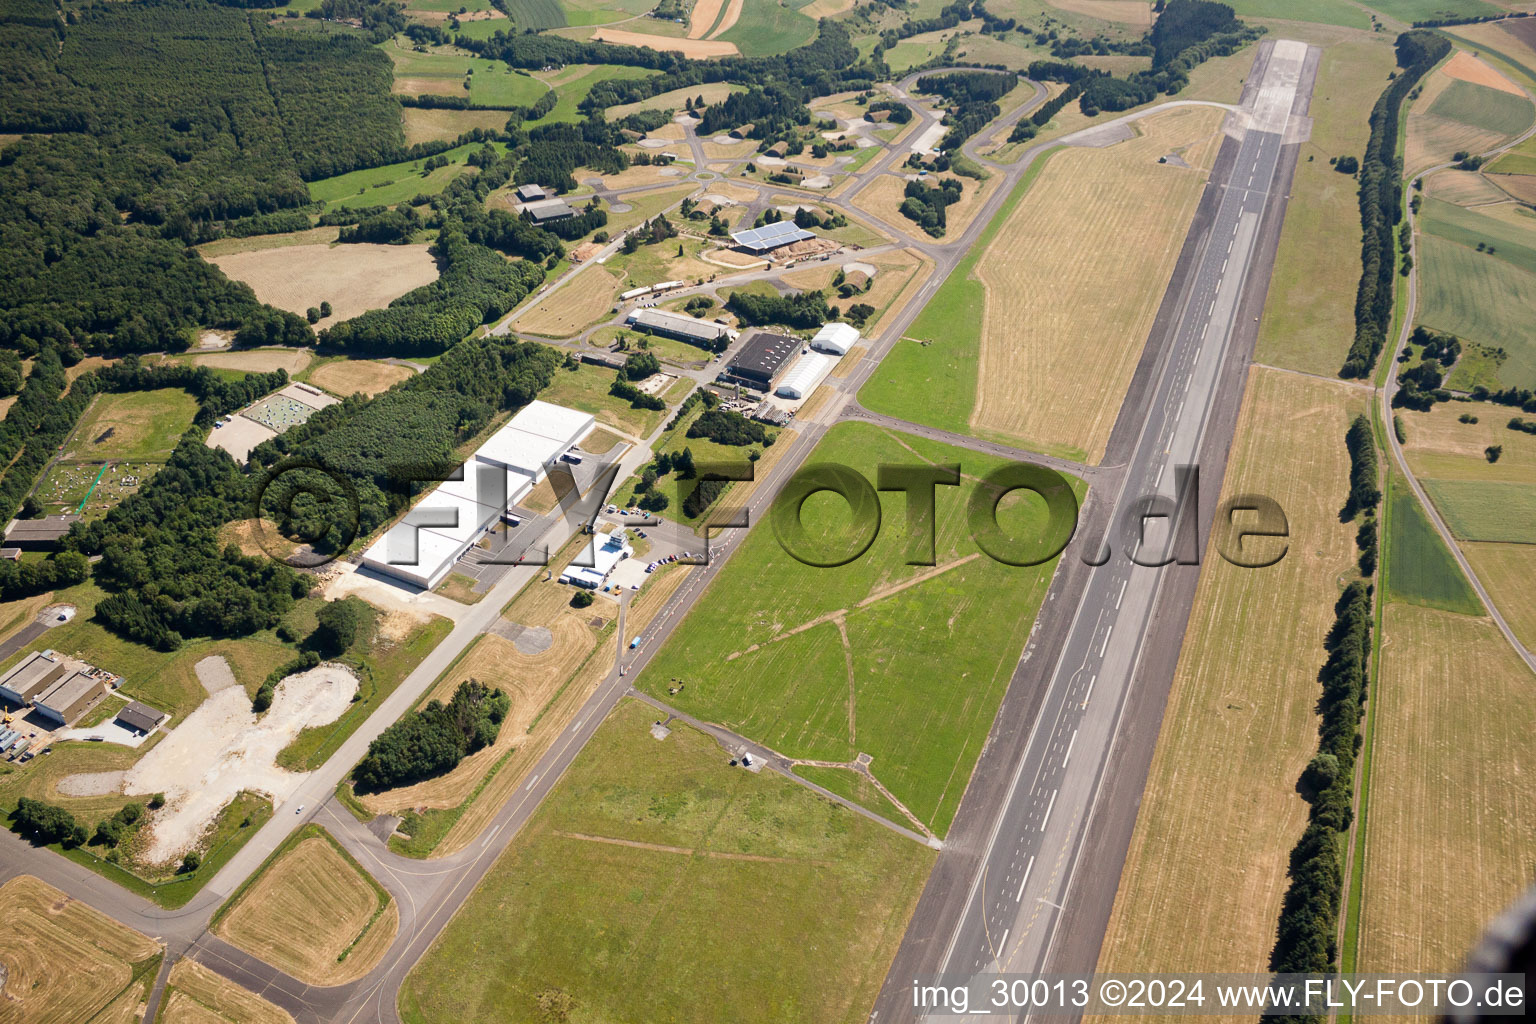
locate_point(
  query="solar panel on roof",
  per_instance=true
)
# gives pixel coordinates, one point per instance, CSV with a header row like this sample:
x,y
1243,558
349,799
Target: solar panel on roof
x,y
770,235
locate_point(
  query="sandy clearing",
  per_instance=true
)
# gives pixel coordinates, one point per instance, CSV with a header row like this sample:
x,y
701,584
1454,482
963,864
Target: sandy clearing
x,y
702,19
223,748
419,606
368,376
1129,12
1471,69
263,360
732,15
91,783
214,673
352,278
695,49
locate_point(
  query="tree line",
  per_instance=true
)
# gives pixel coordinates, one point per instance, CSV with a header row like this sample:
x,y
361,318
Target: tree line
x,y
435,739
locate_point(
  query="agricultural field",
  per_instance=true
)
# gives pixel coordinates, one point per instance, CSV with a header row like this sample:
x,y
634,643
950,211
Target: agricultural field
x,y
1055,283
765,26
196,995
1309,319
1410,11
1420,570
449,71
572,307
135,425
1506,571
424,125
665,37
353,278
586,388
1323,12
64,961
350,376
257,360
1241,722
574,81
1480,298
635,864
312,911
1439,445
1465,105
393,184
1486,510
825,663
1449,836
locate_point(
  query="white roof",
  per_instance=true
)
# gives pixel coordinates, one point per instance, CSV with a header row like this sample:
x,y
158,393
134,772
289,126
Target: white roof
x,y
555,421
434,554
521,451
835,337
484,482
808,372
468,515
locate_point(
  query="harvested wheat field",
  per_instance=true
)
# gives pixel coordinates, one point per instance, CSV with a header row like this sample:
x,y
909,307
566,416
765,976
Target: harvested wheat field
x,y
1450,831
307,908
428,125
1075,276
1521,186
556,639
729,19
1464,188
1134,13
1206,867
1467,68
352,278
261,360
703,17
1506,571
196,995
694,49
65,961
369,376
570,308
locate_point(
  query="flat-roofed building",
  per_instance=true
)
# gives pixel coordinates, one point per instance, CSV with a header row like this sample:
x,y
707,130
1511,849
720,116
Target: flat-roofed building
x,y
531,193
38,671
39,534
69,698
685,328
806,375
141,717
761,360
614,549
546,210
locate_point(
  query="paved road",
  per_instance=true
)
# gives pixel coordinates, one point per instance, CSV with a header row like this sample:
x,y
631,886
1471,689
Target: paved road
x,y
1001,913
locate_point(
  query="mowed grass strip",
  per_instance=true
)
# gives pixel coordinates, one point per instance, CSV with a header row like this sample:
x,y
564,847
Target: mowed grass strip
x,y
1490,510
314,913
1450,833
1205,871
196,995
926,657
134,425
625,897
63,960
1419,568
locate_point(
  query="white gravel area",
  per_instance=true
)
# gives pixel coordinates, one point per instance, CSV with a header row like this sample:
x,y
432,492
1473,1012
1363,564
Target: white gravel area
x,y
91,783
654,143
214,673
223,747
107,732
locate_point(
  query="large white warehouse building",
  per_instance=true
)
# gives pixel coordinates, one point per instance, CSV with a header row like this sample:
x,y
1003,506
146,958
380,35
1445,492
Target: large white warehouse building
x,y
422,547
836,338
806,375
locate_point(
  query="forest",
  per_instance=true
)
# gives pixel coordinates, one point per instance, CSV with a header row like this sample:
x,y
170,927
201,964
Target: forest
x,y
806,310
972,97
434,739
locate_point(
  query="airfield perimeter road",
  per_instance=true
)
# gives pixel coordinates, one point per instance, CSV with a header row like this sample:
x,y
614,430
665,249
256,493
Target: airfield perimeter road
x,y
1016,859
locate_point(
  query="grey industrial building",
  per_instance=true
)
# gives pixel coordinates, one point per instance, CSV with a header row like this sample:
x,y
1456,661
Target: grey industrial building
x,y
140,717
70,697
761,360
35,674
677,325
39,534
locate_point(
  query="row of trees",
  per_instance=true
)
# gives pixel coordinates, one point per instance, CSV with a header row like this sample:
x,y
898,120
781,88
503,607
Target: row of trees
x,y
435,739
1381,201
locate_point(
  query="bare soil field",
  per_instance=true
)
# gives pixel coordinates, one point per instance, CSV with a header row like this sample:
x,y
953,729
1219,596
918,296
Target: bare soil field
x,y
1206,868
196,995
308,908
5,405
424,125
568,309
352,278
349,376
1450,832
1521,186
261,360
1080,268
1134,13
694,49
64,961
1468,68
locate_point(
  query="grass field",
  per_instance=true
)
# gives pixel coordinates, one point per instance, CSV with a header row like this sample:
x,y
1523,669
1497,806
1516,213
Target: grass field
x,y
445,70
64,961
196,995
1441,446
1493,110
1454,114
393,183
1486,510
424,125
571,308
1420,569
1055,310
574,81
1205,871
620,897
1324,12
353,278
1506,571
1450,834
765,27
1423,10
586,388
713,92
1309,319
824,663
313,912
1480,298
350,376
133,425
1509,228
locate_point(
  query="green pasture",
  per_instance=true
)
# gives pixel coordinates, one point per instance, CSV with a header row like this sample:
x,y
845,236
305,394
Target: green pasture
x,y
1420,569
1491,510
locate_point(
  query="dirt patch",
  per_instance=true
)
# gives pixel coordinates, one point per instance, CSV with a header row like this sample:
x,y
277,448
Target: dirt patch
x,y
214,673
368,376
695,49
352,278
1468,68
91,783
224,747
263,360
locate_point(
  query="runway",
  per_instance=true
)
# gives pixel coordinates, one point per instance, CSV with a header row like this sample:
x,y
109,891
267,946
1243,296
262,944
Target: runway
x,y
1003,914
